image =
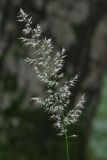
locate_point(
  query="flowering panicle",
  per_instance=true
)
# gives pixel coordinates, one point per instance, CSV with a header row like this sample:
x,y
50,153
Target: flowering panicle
x,y
47,69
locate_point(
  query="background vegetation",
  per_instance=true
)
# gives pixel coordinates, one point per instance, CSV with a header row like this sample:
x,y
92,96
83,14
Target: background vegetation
x,y
81,27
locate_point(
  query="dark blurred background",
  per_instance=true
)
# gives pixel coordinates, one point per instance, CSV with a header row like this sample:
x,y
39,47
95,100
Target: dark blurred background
x,y
25,131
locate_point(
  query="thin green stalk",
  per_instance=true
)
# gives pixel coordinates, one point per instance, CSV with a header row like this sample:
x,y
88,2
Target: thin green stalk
x,y
67,147
66,139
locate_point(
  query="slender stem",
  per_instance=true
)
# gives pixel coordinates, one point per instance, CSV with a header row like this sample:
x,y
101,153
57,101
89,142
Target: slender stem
x,y
67,147
66,141
66,138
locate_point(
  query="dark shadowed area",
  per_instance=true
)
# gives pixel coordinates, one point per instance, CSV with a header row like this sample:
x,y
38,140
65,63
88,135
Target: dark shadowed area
x,y
80,26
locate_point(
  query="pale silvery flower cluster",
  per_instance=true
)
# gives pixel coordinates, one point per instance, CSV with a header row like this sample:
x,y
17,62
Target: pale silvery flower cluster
x,y
47,69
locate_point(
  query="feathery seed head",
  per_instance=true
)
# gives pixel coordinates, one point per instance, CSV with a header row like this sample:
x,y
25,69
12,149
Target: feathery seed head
x,y
47,70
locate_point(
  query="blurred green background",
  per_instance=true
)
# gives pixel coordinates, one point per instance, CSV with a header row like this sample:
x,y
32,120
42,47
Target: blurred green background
x,y
26,133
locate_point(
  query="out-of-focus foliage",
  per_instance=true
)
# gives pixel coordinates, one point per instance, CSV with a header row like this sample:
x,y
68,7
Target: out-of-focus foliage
x,y
81,27
98,141
62,16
